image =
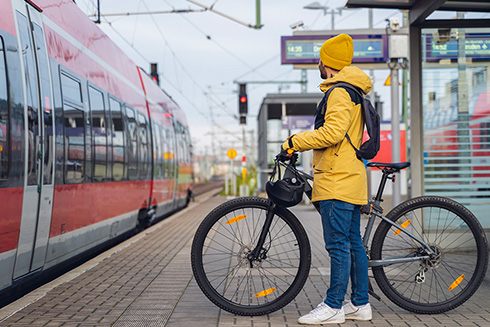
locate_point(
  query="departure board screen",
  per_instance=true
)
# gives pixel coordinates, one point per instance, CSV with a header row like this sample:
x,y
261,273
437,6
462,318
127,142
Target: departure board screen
x,y
475,46
305,49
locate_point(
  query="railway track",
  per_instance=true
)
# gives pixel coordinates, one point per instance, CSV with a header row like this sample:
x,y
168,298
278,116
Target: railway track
x,y
202,188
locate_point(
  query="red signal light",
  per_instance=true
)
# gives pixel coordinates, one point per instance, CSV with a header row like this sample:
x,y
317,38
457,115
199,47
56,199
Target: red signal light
x,y
243,99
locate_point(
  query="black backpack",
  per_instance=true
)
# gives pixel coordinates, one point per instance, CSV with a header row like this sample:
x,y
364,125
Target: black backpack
x,y
370,148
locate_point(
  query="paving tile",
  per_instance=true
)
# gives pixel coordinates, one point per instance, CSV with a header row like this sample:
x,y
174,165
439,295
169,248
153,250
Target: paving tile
x,y
150,283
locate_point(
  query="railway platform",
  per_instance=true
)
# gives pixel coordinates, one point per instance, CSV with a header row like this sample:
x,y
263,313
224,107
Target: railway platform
x,y
147,281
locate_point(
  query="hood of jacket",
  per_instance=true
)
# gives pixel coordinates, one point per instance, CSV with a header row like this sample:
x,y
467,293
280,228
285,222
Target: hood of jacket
x,y
351,75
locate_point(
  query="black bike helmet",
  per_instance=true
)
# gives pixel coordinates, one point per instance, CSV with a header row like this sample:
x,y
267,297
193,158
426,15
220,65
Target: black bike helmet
x,y
285,192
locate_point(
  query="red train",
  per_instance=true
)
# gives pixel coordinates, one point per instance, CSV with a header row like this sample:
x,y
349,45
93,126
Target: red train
x,y
456,143
90,147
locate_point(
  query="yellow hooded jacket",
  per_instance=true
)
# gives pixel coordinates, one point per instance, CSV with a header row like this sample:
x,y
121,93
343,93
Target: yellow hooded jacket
x,y
338,174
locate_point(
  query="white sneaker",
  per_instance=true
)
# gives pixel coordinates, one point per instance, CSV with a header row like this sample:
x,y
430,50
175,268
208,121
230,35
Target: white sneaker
x,y
323,314
362,312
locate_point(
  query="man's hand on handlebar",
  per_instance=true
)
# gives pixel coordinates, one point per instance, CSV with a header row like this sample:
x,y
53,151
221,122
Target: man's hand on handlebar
x,y
285,155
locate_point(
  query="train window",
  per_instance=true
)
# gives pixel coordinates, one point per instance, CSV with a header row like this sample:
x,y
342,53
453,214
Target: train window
x,y
74,131
46,105
4,116
171,153
118,171
132,132
157,168
180,143
71,89
187,149
165,152
162,146
32,97
144,153
99,125
162,150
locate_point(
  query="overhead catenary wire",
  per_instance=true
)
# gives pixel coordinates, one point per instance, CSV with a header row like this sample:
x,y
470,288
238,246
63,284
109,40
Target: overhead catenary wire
x,y
257,67
178,89
319,15
220,105
157,12
182,72
223,14
170,83
176,59
137,20
207,36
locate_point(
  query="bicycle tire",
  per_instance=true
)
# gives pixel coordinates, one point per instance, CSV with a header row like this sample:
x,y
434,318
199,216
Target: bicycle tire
x,y
433,285
226,277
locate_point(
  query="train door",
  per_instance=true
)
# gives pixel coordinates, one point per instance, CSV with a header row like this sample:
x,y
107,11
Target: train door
x,y
39,141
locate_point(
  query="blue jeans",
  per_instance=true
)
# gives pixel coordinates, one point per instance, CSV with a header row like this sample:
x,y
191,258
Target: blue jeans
x,y
341,231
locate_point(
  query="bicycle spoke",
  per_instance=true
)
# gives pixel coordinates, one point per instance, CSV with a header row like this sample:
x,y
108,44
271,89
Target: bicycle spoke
x,y
245,282
218,232
217,250
214,261
436,283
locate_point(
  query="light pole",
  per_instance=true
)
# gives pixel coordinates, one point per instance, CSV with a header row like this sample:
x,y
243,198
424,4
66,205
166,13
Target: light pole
x,y
317,6
397,50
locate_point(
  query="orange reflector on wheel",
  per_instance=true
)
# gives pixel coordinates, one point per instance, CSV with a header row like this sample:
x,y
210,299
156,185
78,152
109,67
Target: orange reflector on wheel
x,y
266,292
456,282
404,225
235,219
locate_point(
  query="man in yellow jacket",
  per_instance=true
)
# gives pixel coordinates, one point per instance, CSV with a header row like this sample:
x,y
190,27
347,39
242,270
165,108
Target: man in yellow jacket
x,y
340,184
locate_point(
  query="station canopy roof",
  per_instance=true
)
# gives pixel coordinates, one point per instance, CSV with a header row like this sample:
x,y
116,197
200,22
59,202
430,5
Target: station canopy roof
x,y
477,6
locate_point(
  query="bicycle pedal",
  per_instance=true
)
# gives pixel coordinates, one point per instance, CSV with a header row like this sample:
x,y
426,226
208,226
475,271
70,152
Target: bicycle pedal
x,y
371,292
376,296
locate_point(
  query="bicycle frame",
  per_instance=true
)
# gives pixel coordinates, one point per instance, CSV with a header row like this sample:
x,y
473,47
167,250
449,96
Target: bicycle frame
x,y
376,212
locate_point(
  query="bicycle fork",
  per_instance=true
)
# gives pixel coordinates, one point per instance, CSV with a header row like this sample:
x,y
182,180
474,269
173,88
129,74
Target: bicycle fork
x,y
257,253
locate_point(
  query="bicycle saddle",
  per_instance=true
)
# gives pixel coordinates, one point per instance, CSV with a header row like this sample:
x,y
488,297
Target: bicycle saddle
x,y
397,166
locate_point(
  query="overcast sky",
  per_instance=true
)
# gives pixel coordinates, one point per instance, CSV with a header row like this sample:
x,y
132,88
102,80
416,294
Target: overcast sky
x,y
201,54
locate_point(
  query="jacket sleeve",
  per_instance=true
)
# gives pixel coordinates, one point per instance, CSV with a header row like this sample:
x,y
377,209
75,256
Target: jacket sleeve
x,y
338,118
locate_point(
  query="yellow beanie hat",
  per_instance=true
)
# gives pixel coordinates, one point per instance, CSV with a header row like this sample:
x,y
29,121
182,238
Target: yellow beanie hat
x,y
337,52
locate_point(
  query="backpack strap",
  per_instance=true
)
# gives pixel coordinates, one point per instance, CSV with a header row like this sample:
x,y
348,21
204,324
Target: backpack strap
x,y
345,86
361,95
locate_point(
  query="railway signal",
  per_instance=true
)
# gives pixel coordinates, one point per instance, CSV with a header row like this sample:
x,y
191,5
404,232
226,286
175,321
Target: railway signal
x,y
242,103
154,73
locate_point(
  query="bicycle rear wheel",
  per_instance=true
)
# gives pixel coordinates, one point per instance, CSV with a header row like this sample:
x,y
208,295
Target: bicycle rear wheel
x,y
221,268
447,279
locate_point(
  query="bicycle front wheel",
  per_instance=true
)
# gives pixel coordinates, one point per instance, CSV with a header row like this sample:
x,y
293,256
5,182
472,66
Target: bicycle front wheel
x,y
451,275
220,257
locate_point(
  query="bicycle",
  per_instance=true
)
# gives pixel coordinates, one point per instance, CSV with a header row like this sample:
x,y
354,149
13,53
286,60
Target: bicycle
x,y
252,257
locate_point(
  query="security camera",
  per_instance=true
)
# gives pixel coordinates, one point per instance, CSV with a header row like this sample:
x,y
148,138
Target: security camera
x,y
394,24
296,25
